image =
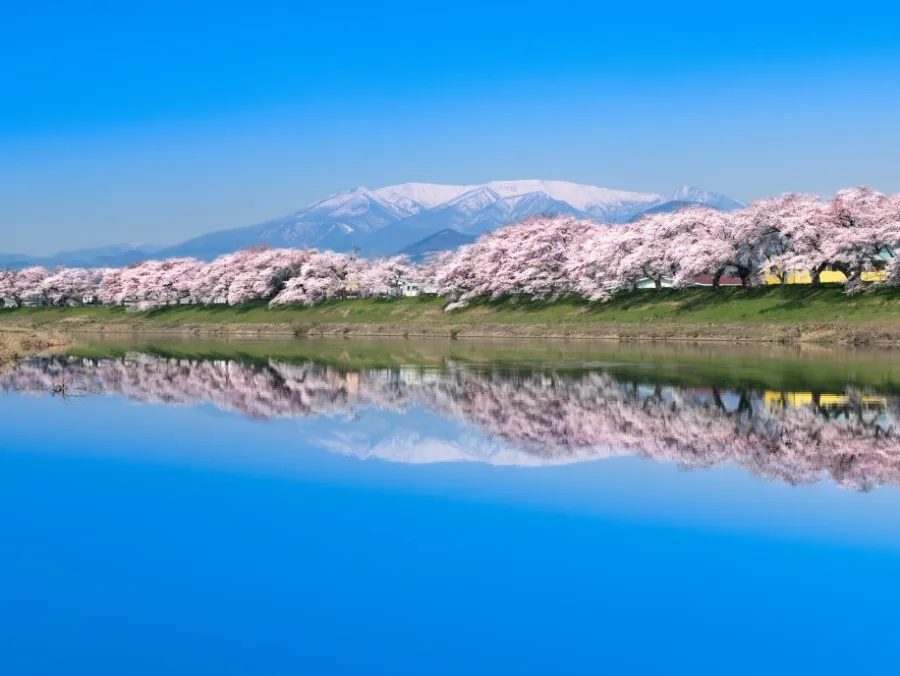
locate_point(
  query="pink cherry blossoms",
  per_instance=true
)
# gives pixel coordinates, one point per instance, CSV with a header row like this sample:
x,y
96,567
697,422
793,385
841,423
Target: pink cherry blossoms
x,y
856,232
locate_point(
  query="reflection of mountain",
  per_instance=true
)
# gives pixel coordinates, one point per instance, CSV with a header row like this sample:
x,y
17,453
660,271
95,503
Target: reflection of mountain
x,y
533,417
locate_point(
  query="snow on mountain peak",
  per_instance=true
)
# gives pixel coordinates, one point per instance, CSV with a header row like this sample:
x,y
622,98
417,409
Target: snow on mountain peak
x,y
339,199
691,193
583,197
413,198
700,196
426,195
474,199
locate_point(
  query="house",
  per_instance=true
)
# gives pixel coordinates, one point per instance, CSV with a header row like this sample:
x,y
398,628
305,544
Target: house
x,y
647,283
413,289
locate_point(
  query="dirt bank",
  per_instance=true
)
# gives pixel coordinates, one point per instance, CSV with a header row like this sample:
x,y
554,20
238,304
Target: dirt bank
x,y
887,334
22,342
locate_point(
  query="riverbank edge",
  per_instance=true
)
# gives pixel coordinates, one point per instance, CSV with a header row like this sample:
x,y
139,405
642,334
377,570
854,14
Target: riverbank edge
x,y
18,342
834,333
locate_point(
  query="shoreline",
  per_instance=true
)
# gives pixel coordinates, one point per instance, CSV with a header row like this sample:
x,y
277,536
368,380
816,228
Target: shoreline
x,y
885,335
16,343
763,315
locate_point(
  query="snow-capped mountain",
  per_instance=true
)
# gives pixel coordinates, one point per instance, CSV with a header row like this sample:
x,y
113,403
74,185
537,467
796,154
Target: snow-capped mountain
x,y
600,203
386,220
337,222
711,199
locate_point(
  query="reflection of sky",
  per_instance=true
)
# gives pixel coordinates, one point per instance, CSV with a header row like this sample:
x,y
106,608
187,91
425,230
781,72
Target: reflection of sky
x,y
238,546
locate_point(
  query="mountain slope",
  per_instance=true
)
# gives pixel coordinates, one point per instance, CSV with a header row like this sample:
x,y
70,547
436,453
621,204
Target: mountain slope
x,y
337,222
711,199
445,240
690,197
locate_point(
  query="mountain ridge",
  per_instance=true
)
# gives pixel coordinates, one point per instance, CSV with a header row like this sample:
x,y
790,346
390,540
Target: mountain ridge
x,y
387,220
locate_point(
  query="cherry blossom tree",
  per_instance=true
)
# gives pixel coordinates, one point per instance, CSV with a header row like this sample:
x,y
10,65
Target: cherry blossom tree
x,y
717,243
538,253
323,276
70,286
9,292
29,285
530,259
385,277
777,224
595,263
262,272
865,229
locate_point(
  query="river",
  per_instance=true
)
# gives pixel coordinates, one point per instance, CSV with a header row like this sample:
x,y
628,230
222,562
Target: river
x,y
431,507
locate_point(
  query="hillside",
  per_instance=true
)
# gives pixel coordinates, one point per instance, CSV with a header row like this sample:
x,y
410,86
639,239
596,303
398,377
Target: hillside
x,y
445,240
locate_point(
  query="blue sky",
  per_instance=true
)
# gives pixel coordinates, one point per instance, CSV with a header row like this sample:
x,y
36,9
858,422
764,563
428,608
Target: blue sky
x,y
159,122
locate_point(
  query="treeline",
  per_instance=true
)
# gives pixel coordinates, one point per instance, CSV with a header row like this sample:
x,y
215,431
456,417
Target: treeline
x,y
855,232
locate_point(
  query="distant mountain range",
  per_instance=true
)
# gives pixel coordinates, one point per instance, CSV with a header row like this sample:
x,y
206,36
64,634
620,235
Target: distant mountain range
x,y
105,256
412,218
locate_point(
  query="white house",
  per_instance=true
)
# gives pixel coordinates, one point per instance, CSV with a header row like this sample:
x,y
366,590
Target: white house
x,y
412,289
646,283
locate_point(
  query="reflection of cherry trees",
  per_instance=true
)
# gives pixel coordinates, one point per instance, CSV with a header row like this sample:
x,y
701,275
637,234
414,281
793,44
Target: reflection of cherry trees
x,y
549,415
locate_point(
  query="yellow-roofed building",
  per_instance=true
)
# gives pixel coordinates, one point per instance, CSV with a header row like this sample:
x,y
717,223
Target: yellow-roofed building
x,y
784,399
826,277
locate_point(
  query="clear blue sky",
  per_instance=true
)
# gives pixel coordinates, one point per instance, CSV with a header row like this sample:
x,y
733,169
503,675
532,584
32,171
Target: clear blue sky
x,y
159,122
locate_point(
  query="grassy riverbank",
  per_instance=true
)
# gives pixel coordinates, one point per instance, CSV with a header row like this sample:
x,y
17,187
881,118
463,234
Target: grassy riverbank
x,y
778,314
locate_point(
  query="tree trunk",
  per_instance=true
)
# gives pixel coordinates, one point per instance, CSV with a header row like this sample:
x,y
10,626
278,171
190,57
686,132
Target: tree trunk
x,y
717,279
817,274
745,404
658,284
717,399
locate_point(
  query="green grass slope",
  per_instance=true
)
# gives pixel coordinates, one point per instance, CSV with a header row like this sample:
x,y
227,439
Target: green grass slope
x,y
644,311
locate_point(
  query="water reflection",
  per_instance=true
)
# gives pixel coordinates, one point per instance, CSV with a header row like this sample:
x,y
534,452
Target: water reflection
x,y
546,415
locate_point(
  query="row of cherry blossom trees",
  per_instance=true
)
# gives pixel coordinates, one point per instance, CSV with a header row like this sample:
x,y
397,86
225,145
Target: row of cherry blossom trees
x,y
260,273
857,231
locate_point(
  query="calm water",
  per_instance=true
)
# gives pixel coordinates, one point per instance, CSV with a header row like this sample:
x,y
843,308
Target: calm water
x,y
449,507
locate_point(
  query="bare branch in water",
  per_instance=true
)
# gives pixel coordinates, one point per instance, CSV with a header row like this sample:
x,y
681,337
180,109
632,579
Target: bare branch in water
x,y
63,390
